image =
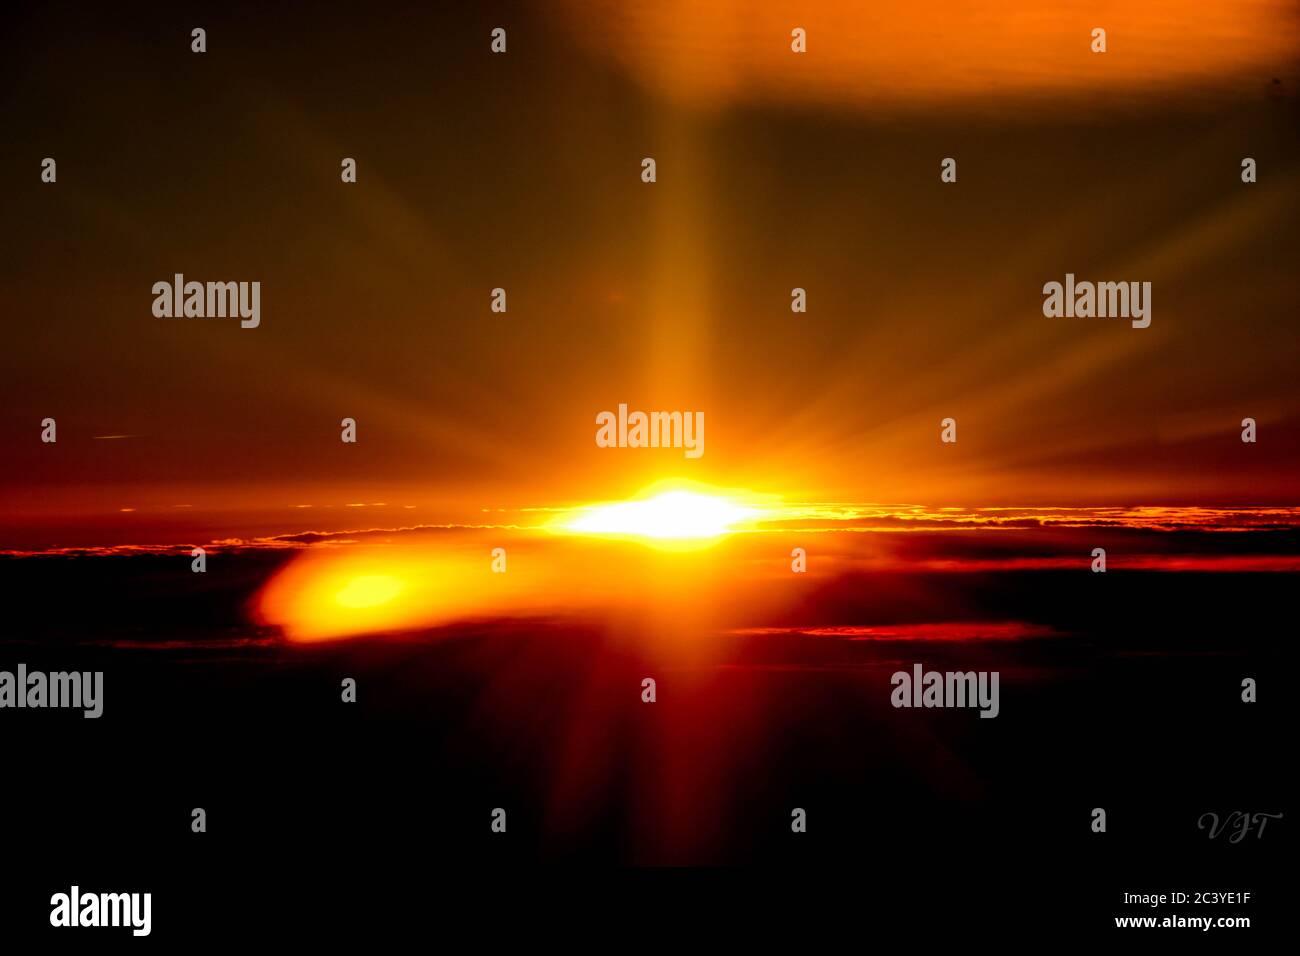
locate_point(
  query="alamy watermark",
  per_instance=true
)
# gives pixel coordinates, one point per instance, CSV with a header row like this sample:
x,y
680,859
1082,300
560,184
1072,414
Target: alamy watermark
x,y
75,908
654,430
58,689
1122,300
208,300
922,688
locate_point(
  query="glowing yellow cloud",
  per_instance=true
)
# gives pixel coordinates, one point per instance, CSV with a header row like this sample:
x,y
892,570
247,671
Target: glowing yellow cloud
x,y
368,590
329,593
440,576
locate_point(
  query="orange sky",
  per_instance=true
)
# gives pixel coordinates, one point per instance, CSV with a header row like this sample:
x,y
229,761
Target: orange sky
x,y
775,171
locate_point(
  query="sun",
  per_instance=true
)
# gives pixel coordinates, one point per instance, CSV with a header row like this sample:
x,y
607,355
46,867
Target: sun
x,y
678,514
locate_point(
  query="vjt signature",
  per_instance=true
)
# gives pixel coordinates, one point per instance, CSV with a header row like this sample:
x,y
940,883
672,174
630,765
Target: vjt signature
x,y
1240,819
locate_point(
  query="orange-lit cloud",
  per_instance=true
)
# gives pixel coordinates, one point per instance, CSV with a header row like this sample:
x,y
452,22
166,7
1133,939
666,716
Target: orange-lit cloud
x,y
950,54
596,560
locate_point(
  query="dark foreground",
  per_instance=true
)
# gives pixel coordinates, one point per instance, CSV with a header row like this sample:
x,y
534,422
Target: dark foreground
x,y
327,819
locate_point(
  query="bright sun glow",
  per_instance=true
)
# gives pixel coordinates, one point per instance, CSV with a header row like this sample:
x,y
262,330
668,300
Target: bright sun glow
x,y
368,590
435,578
683,515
